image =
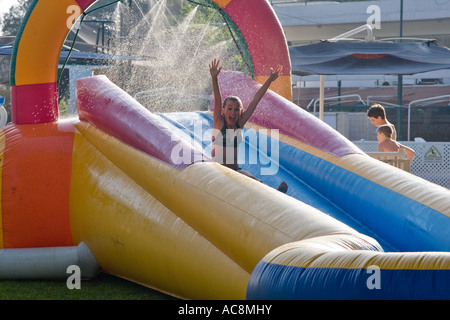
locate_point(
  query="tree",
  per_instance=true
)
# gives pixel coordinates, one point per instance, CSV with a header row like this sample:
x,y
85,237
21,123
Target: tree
x,y
11,21
221,30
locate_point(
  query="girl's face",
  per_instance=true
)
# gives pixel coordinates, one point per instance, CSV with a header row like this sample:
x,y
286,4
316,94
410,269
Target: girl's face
x,y
231,111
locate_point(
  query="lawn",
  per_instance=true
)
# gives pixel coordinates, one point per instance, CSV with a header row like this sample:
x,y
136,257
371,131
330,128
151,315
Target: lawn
x,y
102,287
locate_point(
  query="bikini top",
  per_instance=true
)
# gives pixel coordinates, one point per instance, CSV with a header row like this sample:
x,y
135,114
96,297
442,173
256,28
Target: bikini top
x,y
229,137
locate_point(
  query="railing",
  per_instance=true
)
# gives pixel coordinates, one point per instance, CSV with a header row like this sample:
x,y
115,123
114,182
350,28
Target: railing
x,y
340,99
396,159
371,100
352,32
415,102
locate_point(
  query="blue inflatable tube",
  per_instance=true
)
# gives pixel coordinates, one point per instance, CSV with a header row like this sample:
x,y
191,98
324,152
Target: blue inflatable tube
x,y
346,284
353,189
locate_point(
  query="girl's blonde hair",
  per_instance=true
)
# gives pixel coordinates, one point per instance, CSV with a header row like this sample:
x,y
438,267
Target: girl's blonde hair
x,y
233,98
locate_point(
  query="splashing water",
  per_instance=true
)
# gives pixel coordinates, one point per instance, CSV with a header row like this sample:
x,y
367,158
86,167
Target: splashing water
x,y
175,76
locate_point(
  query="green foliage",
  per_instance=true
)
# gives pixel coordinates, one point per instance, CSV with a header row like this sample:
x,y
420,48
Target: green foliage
x,y
207,16
12,20
220,30
63,108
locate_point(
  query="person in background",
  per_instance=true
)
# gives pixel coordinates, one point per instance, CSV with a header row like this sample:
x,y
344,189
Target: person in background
x,y
377,116
386,144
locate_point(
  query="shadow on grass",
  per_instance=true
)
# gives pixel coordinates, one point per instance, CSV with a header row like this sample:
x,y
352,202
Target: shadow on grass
x,y
102,287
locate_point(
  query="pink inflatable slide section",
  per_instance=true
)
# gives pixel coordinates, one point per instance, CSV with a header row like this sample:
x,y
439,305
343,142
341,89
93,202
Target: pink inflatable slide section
x,y
109,108
276,112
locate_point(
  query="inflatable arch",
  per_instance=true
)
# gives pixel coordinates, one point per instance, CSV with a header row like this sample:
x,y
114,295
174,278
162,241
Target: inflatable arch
x,y
101,193
34,100
33,76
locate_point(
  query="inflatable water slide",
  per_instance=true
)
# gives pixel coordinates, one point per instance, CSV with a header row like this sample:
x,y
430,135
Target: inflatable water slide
x,y
121,190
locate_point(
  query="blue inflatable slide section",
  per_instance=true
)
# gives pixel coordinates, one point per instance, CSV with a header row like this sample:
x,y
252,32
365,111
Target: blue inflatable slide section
x,y
406,229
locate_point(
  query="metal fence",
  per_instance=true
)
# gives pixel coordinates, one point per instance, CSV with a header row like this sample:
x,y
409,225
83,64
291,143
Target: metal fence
x,y
431,161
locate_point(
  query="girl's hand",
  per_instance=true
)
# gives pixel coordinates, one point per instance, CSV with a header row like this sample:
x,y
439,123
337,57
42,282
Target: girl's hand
x,y
214,68
274,74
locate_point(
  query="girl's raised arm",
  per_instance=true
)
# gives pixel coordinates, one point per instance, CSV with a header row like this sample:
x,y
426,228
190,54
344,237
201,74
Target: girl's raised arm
x,y
214,70
258,96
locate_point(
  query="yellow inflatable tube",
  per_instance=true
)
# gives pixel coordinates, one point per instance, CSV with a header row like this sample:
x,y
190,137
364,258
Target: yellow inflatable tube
x,y
179,231
135,237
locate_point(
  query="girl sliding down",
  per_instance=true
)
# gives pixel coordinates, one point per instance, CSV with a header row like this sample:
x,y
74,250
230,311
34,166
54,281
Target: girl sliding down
x,y
229,120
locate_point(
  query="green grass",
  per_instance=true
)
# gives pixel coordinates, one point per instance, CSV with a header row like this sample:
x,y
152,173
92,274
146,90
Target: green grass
x,y
102,287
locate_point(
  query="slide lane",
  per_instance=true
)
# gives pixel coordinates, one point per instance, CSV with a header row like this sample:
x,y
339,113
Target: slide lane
x,y
196,127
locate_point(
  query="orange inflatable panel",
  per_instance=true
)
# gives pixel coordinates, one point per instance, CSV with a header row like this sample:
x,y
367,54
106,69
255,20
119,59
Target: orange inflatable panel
x,y
36,181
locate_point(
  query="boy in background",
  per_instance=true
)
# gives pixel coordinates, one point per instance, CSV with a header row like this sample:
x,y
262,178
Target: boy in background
x,y
386,144
377,116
